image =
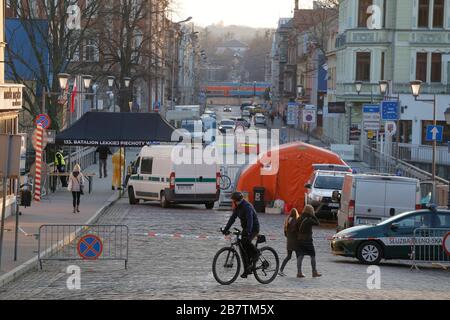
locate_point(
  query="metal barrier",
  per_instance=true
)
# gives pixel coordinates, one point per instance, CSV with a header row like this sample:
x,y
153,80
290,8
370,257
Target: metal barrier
x,y
385,163
427,247
83,242
231,171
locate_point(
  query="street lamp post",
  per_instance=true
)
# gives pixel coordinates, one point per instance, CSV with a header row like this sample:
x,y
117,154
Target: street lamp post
x,y
172,89
415,88
86,84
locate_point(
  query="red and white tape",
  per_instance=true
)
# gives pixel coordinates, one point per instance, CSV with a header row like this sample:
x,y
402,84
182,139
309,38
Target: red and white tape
x,y
37,181
187,236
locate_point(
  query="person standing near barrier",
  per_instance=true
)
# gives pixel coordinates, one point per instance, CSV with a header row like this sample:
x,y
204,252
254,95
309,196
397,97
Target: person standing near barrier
x,y
103,152
76,185
291,233
118,161
60,165
305,240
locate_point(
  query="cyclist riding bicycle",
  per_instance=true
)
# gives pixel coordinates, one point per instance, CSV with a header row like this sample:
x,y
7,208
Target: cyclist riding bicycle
x,y
250,229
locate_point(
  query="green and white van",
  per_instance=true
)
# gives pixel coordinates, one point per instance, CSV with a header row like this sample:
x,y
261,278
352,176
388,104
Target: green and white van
x,y
158,176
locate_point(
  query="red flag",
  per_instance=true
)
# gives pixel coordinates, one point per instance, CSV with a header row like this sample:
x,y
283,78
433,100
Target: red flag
x,y
74,93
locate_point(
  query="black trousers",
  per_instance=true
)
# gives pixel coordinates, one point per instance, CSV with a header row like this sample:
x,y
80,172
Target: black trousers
x,y
76,198
62,169
250,251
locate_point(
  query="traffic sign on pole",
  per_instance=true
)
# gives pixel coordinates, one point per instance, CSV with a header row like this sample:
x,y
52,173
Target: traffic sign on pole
x,y
371,117
389,110
309,116
435,133
43,120
292,114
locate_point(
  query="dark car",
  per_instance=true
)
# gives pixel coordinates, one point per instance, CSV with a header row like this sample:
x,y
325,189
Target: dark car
x,y
241,122
392,238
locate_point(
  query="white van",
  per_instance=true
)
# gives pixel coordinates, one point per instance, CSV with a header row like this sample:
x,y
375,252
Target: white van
x,y
155,176
370,199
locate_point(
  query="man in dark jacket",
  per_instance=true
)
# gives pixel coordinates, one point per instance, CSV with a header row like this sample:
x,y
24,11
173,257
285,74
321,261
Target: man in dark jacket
x,y
250,229
103,153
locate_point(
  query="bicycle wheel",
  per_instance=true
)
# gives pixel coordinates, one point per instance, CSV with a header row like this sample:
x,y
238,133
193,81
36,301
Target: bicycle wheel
x,y
266,268
225,182
226,266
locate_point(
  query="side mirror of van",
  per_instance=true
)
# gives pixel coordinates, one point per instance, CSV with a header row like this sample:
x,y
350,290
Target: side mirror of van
x,y
308,186
394,226
336,196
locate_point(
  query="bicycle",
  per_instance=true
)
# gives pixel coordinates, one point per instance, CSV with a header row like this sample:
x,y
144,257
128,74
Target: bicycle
x,y
265,269
225,182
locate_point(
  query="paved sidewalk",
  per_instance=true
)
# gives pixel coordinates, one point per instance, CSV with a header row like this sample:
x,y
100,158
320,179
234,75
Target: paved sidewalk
x,y
56,208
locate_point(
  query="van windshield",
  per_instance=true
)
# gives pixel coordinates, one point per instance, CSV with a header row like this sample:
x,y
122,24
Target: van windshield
x,y
329,182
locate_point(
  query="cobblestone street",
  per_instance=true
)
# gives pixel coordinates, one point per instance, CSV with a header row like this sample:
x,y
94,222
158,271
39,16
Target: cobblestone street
x,y
174,268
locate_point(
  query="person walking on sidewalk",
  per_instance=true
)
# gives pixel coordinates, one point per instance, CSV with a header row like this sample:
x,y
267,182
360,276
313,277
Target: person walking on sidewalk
x,y
76,185
291,233
305,240
103,152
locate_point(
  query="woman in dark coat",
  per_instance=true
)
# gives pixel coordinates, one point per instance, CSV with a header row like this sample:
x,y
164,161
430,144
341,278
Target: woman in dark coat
x,y
305,240
291,233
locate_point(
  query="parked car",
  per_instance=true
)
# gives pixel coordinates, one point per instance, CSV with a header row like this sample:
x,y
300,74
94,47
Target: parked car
x,y
227,125
319,191
370,199
390,239
260,119
246,113
156,176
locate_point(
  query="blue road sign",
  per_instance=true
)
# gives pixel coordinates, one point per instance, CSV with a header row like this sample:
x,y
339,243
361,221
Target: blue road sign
x,y
389,110
90,247
371,108
435,133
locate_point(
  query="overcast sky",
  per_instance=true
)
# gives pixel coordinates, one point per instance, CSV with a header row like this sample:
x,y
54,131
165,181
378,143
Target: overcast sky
x,y
254,13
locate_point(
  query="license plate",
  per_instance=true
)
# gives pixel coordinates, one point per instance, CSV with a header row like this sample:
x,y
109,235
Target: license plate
x,y
333,205
368,221
184,188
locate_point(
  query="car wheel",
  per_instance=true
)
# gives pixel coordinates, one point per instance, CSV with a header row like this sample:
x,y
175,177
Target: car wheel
x,y
209,205
163,201
370,252
132,199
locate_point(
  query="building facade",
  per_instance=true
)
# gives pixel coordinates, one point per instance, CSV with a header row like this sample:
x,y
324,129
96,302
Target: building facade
x,y
400,41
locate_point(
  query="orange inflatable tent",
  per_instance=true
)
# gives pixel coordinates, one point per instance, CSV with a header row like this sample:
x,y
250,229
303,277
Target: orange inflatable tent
x,y
295,168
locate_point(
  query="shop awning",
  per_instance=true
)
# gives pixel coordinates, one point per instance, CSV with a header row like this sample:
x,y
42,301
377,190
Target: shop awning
x,y
117,129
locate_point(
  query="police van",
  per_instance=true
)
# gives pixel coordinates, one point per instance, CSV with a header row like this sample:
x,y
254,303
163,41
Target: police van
x,y
172,175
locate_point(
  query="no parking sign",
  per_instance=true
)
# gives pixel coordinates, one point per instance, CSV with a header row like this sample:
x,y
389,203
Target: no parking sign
x,y
90,247
446,243
43,120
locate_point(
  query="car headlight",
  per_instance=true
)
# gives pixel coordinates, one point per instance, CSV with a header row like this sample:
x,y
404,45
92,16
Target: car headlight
x,y
344,236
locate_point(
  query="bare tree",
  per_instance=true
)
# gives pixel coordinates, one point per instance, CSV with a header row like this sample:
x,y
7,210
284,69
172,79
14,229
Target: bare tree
x,y
130,43
46,46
